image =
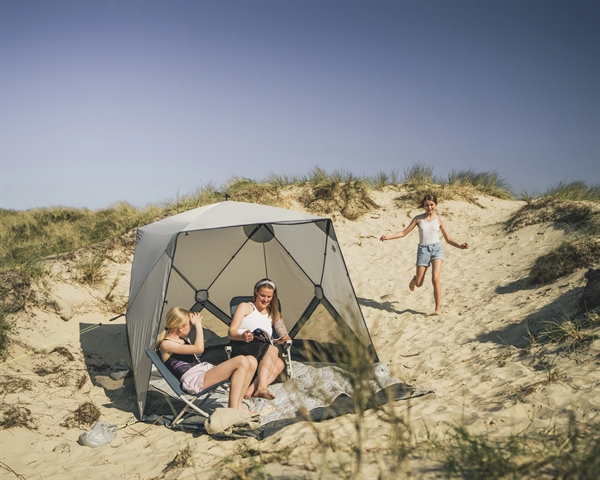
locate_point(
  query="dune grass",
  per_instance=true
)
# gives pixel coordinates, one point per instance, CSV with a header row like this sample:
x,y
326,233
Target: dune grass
x,y
26,236
466,185
568,452
574,191
5,327
30,235
574,207
569,256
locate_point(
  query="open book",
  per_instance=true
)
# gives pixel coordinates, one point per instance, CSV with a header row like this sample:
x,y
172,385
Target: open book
x,y
261,336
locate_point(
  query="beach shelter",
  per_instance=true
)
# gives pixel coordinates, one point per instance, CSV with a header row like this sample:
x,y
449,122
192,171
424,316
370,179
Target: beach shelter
x,y
202,258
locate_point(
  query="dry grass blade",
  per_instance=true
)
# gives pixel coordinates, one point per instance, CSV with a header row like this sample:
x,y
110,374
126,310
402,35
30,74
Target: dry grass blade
x,y
19,476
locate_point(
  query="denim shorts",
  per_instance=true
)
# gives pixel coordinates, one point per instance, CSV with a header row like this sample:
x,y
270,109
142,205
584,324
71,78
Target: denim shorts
x,y
429,252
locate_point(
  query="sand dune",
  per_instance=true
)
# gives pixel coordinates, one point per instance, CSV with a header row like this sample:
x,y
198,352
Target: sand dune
x,y
476,357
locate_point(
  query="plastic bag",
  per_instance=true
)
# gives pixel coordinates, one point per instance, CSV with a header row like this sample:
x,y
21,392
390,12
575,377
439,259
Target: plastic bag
x,y
100,434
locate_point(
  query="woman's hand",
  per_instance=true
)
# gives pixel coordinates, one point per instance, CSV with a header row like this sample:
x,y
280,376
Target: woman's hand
x,y
247,336
283,339
383,238
195,318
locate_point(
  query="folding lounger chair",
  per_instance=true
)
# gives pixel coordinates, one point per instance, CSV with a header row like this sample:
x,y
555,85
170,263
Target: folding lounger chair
x,y
188,398
287,354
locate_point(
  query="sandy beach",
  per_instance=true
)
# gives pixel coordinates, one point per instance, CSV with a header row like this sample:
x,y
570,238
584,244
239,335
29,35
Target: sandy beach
x,y
477,358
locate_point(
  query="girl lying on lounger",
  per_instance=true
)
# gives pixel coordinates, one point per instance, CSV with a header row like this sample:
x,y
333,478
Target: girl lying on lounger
x,y
179,355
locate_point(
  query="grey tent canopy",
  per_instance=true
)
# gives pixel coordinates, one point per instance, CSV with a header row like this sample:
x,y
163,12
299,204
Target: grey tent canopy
x,y
202,258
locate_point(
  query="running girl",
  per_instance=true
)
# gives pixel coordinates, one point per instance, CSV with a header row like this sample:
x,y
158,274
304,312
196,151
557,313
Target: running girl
x,y
429,251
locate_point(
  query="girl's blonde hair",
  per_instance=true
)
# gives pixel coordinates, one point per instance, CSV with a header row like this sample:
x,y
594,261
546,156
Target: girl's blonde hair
x,y
273,308
176,317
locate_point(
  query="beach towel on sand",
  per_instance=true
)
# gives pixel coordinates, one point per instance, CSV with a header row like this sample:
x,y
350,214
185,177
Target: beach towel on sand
x,y
232,422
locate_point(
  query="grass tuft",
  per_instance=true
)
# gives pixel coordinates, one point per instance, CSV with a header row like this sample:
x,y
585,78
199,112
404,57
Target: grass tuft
x,y
204,195
575,330
583,215
418,175
242,189
350,198
92,272
564,260
574,191
486,183
14,416
476,456
85,415
5,328
464,185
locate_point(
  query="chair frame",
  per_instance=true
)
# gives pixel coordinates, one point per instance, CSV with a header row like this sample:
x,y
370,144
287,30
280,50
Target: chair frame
x,y
188,398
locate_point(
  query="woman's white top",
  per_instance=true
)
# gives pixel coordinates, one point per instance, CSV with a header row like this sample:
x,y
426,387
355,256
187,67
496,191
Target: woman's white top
x,y
429,232
255,320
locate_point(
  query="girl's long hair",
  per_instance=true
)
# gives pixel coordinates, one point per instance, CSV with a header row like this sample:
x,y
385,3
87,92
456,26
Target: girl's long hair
x,y
176,317
273,307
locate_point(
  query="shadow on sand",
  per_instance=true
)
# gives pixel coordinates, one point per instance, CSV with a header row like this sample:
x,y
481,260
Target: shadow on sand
x,y
518,334
386,306
104,346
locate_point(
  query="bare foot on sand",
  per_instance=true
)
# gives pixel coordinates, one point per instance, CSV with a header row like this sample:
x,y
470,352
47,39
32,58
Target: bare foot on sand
x,y
264,393
412,284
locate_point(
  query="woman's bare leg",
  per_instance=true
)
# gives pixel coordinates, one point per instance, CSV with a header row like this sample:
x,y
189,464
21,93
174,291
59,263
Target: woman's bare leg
x,y
238,370
436,275
268,369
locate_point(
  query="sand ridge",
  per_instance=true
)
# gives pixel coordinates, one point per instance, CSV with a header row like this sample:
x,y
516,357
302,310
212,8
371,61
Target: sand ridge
x,y
476,357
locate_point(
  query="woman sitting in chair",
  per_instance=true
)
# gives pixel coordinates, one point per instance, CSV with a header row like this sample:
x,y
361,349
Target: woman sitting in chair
x,y
261,314
179,355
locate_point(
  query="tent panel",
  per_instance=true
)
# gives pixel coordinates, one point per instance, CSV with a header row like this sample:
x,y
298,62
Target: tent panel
x,y
227,214
201,255
294,289
338,290
142,325
149,248
320,327
179,294
239,277
215,331
306,244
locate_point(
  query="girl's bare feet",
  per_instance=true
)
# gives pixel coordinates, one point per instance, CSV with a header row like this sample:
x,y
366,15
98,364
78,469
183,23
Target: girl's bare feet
x,y
412,283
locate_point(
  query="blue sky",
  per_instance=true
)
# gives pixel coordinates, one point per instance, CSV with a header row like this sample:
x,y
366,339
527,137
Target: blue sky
x,y
137,101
